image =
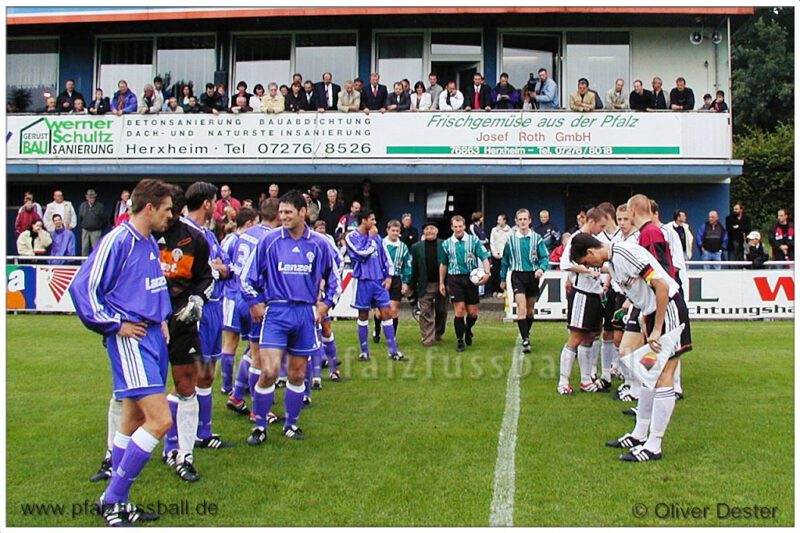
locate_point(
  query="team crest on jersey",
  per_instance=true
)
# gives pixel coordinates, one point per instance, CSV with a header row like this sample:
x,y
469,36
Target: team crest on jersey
x,y
470,257
177,255
310,257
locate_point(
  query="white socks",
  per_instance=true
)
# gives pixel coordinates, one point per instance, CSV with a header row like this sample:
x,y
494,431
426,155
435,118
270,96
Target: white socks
x,y
585,362
567,359
595,353
114,416
663,405
607,359
643,413
186,419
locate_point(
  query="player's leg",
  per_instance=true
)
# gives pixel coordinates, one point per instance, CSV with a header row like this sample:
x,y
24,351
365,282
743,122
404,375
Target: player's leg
x,y
567,359
460,323
185,374
376,333
631,341
231,333
382,302
315,364
363,333
585,352
211,349
329,344
113,417
294,395
522,320
394,306
472,299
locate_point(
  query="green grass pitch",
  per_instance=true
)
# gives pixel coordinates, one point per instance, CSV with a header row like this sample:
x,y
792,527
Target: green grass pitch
x,y
415,443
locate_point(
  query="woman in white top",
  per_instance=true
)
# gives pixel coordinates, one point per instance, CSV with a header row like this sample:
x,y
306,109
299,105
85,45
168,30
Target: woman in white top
x,y
420,100
255,100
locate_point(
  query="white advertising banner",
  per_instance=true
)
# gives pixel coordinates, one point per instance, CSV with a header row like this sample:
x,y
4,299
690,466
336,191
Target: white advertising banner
x,y
711,295
353,138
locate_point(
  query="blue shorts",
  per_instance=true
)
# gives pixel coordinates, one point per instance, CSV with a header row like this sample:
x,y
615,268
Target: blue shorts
x,y
210,331
236,317
138,368
290,327
370,293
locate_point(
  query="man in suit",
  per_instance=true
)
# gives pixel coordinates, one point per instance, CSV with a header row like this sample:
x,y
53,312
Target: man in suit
x,y
373,97
349,99
399,99
425,258
327,93
309,97
659,100
478,96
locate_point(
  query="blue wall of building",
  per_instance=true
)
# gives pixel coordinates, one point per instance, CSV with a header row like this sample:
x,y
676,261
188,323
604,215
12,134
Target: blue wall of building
x,y
76,63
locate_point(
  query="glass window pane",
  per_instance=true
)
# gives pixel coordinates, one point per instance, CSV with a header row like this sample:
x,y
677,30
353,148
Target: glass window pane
x,y
31,71
605,37
335,53
126,52
524,55
125,59
600,64
459,43
186,59
400,46
392,70
263,59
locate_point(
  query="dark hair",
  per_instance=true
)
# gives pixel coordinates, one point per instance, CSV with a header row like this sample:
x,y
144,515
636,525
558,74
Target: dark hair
x,y
406,80
358,80
295,198
241,84
198,192
581,243
707,95
244,216
721,93
419,84
69,80
583,80
178,200
54,217
284,85
434,74
269,209
681,79
477,215
364,214
541,70
158,79
191,90
677,213
210,85
149,191
504,75
257,87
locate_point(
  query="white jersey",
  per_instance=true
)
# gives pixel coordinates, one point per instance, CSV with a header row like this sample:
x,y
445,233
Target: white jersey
x,y
582,282
631,237
676,251
634,268
608,238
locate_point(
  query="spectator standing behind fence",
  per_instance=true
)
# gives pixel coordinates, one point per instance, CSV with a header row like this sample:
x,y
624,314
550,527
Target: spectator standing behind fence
x,y
408,233
172,106
582,100
294,98
151,101
27,214
314,203
66,100
78,108
273,102
50,106
558,251
100,105
34,241
719,104
185,93
374,96
225,200
497,243
158,87
738,225
123,101
255,99
369,200
505,96
546,91
63,242
349,99
681,97
616,97
711,240
782,238
63,208
640,98
681,227
420,100
121,206
347,223
451,98
478,96
754,251
332,211
548,231
93,220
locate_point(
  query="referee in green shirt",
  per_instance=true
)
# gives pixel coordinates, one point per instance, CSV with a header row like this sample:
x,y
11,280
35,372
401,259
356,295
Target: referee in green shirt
x,y
525,256
461,254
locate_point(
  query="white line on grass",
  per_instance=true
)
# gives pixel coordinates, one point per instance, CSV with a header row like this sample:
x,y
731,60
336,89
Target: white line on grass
x,y
502,509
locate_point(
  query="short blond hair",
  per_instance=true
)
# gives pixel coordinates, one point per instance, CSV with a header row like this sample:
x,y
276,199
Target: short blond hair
x,y
640,204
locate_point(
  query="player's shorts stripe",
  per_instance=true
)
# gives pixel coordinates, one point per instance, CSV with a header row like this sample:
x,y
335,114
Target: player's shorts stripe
x,y
138,363
127,370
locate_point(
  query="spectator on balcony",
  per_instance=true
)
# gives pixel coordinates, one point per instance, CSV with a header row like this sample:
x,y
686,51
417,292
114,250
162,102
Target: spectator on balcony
x,y
398,100
681,97
61,207
719,103
255,99
369,200
327,93
27,214
558,251
274,191
100,105
294,100
211,101
63,242
408,233
124,101
297,78
434,89
78,108
221,94
451,98
151,102
192,106
34,241
406,86
420,100
548,231
284,90
172,106
373,97
309,96
226,200
527,98
314,204
93,219
711,239
546,92
582,100
50,106
738,226
754,251
241,90
347,223
158,87
273,103
478,96
121,206
241,106
782,239
640,98
358,85
598,102
349,99
659,100
331,211
708,103
616,97
681,227
505,96
185,94
66,100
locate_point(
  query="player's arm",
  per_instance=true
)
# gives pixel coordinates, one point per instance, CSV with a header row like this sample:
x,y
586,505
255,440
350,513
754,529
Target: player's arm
x,y
356,253
202,274
505,263
405,264
442,276
333,285
542,258
250,282
662,299
481,252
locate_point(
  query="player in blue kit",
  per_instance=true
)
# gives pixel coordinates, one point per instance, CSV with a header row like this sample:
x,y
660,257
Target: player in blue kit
x,y
235,325
326,331
120,292
372,270
290,263
200,203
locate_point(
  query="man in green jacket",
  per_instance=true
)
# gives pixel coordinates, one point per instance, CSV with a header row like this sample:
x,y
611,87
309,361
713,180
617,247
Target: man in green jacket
x,y
425,258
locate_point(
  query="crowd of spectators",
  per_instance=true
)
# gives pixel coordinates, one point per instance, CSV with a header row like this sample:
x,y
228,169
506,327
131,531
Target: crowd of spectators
x,y
539,92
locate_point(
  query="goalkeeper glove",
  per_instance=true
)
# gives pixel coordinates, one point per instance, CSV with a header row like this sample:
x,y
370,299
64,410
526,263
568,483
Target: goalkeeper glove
x,y
192,311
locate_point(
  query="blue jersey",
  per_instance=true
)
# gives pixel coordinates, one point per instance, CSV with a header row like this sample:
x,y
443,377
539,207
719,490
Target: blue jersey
x,y
231,285
214,252
122,281
244,254
292,270
369,256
